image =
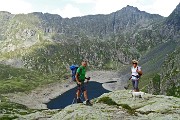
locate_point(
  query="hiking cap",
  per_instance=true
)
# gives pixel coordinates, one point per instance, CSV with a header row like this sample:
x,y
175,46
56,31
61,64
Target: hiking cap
x,y
135,61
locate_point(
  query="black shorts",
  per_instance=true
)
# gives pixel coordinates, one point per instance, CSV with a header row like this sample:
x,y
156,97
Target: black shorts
x,y
82,87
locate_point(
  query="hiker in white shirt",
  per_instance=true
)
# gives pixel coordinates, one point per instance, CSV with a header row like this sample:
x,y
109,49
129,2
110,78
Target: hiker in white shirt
x,y
136,72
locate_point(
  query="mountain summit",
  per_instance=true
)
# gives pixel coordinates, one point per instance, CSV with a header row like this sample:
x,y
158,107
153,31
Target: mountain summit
x,y
174,18
130,8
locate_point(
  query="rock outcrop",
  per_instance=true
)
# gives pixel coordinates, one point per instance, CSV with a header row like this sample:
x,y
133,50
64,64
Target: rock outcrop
x,y
119,105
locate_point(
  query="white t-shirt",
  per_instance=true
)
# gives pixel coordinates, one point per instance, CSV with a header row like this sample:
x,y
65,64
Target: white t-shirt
x,y
134,73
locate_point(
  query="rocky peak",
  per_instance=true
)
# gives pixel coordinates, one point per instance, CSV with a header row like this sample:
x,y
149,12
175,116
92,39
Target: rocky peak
x,y
131,17
4,13
37,13
47,16
177,9
129,8
134,10
174,18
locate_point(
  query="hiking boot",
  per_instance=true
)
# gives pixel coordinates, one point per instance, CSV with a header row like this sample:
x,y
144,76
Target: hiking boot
x,y
79,100
125,88
88,103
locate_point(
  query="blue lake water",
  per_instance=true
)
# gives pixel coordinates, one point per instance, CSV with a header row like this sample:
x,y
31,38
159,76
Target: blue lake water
x,y
95,90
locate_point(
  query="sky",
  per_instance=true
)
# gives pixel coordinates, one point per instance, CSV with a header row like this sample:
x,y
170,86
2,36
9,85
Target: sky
x,y
74,8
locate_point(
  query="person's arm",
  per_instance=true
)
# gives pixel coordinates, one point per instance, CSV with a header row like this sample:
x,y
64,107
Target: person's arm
x,y
77,79
131,75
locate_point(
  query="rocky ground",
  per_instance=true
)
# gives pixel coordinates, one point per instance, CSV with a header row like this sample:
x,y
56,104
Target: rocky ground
x,y
117,105
153,107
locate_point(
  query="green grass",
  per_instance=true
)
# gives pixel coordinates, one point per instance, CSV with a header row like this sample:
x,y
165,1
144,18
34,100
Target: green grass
x,y
6,105
11,110
109,101
8,117
128,108
173,91
21,80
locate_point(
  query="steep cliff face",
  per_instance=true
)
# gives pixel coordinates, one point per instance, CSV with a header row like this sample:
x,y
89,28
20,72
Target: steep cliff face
x,y
173,19
171,26
4,18
126,20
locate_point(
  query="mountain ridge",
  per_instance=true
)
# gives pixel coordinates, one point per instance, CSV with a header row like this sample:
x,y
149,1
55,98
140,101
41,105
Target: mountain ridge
x,y
128,7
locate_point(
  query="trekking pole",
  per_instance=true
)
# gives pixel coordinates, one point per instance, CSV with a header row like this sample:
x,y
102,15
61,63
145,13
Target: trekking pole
x,y
75,98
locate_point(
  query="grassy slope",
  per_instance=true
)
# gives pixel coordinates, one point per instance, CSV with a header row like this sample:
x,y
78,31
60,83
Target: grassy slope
x,y
152,62
171,74
20,80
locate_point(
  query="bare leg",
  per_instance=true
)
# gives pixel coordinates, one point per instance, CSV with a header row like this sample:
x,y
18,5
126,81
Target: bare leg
x,y
78,94
85,95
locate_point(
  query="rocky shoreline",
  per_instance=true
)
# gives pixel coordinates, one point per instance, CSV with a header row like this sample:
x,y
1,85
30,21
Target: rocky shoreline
x,y
37,98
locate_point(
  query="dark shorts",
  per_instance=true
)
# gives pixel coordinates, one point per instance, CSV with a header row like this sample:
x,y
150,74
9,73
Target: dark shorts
x,y
82,87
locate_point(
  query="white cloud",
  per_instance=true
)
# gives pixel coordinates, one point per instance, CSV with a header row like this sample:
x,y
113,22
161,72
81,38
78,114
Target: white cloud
x,y
84,1
68,11
108,6
164,7
15,6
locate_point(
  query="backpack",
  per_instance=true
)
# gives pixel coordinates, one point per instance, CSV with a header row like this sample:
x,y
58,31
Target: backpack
x,y
139,73
73,70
